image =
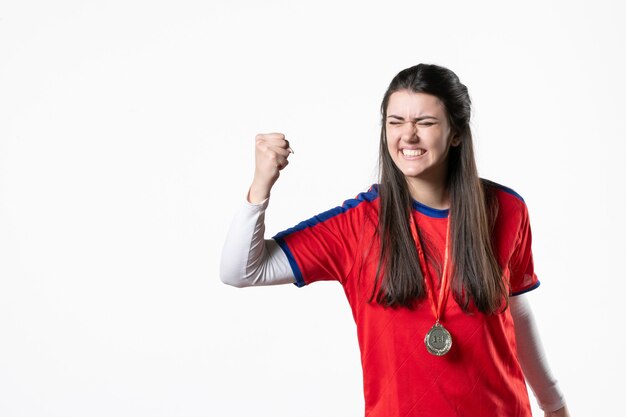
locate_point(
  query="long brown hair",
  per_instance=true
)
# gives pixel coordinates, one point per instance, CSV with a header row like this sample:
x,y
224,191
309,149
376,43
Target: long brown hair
x,y
476,274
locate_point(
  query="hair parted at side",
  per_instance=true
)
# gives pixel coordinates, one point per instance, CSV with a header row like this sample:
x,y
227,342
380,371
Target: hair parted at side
x,y
476,274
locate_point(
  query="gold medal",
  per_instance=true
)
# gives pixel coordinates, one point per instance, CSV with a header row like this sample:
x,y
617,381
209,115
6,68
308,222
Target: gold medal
x,y
438,340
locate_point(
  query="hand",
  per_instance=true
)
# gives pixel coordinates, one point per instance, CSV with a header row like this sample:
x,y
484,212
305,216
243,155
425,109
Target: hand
x,y
271,153
561,412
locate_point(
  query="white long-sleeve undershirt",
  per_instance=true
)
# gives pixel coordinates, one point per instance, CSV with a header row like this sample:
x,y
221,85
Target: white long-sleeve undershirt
x,y
248,259
532,357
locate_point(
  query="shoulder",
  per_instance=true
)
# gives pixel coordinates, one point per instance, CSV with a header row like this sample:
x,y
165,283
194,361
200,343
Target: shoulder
x,y
511,209
368,197
363,202
362,208
505,195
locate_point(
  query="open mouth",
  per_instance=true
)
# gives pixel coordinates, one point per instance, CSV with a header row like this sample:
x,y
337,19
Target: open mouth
x,y
413,152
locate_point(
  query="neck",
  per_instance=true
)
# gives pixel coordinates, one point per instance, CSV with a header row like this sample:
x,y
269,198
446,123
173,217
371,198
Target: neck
x,y
432,194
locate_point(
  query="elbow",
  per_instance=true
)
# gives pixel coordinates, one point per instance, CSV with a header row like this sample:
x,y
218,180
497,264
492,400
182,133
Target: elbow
x,y
233,278
233,281
232,272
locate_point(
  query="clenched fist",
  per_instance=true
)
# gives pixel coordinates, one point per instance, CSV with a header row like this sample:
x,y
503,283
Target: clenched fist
x,y
270,156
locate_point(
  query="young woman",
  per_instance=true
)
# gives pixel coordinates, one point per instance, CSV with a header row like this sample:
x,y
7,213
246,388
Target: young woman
x,y
433,261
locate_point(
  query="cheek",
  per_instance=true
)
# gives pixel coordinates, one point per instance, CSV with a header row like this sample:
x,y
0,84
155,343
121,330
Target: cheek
x,y
389,139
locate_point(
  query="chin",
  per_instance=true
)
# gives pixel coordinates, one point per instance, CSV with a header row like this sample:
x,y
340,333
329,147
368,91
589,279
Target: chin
x,y
412,173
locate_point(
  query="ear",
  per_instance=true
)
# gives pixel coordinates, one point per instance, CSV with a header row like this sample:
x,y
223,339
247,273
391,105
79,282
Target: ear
x,y
456,140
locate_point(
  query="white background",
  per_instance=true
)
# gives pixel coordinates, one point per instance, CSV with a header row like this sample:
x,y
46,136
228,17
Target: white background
x,y
126,144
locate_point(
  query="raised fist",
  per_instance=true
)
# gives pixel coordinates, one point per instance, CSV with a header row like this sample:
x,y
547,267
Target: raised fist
x,y
271,153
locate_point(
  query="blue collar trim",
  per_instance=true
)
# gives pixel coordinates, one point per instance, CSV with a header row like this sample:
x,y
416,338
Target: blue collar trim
x,y
429,211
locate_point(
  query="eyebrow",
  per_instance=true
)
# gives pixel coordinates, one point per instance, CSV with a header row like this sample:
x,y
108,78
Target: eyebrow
x,y
417,119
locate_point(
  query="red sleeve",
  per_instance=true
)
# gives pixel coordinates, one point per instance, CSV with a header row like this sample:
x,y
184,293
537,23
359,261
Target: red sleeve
x,y
522,272
324,247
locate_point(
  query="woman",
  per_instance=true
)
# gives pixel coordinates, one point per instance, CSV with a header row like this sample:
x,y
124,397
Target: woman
x,y
431,228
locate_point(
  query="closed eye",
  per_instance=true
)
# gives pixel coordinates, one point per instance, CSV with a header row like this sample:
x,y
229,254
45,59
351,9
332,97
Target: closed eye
x,y
425,124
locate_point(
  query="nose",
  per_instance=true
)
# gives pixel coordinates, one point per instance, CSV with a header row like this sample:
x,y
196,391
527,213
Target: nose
x,y
409,132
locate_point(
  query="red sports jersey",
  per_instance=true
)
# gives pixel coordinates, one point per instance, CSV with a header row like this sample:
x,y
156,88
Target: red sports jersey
x,y
481,375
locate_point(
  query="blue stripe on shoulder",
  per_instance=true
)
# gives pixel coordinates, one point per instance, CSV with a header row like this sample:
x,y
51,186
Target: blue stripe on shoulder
x,y
370,195
525,290
503,188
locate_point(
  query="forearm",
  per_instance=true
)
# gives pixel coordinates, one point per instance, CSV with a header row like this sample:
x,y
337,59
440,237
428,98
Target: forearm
x,y
532,357
247,258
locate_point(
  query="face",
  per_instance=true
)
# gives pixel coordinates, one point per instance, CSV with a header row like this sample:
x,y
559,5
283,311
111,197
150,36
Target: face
x,y
419,135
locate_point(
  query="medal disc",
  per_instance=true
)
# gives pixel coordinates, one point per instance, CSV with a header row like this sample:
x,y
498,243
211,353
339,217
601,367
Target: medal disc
x,y
438,340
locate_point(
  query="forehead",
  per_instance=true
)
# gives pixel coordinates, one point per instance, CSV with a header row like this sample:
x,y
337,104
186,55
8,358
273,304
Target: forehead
x,y
408,104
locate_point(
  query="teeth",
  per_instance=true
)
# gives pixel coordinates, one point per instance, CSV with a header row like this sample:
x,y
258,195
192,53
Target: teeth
x,y
412,152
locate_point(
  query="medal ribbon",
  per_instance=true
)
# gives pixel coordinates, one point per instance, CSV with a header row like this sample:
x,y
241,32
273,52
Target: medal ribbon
x,y
437,308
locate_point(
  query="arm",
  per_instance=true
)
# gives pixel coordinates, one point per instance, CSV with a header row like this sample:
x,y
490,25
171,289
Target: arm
x,y
247,258
533,360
